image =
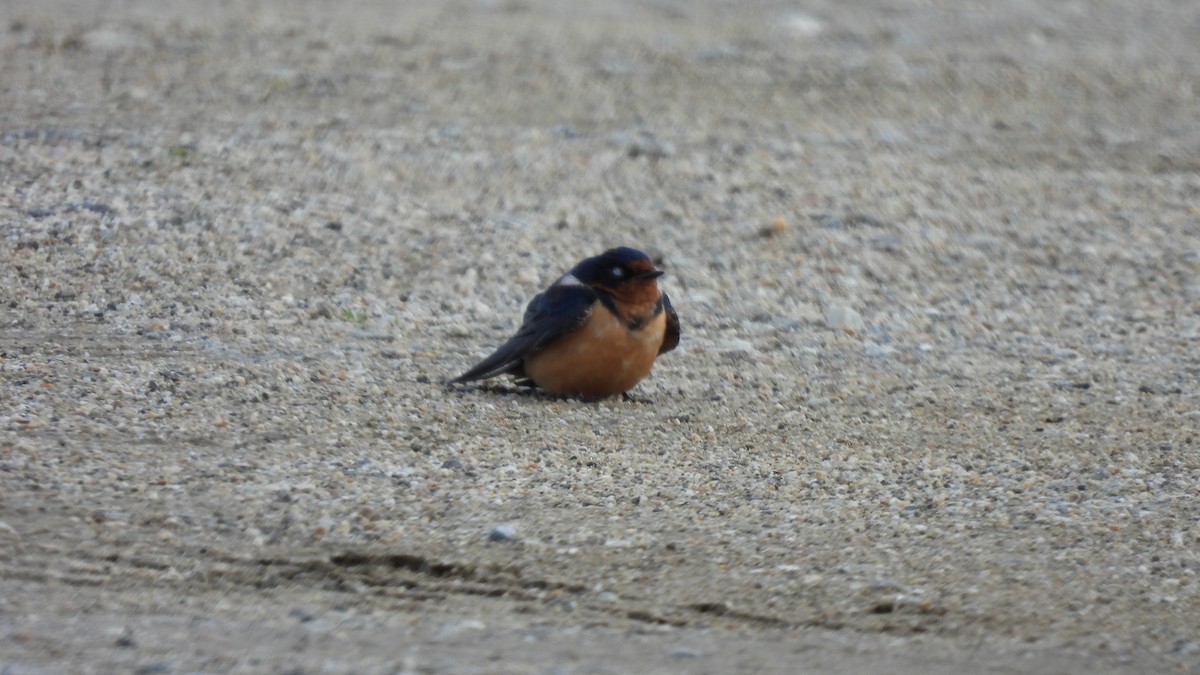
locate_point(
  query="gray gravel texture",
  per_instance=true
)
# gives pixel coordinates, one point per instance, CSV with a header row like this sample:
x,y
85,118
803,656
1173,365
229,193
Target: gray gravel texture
x,y
935,408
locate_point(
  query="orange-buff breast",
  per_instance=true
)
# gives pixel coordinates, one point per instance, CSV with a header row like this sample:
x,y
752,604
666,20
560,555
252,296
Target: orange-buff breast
x,y
602,358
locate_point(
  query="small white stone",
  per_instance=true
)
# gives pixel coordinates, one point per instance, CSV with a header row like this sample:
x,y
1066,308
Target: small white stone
x,y
453,629
878,351
803,25
735,345
8,531
844,317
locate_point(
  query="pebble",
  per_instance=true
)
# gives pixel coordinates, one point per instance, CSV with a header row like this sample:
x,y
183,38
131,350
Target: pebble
x,y
801,25
776,227
844,317
8,531
113,39
875,350
735,345
646,144
449,630
502,533
302,615
126,640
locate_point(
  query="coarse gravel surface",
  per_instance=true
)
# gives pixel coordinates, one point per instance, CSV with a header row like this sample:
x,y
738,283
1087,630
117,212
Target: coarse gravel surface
x,y
935,409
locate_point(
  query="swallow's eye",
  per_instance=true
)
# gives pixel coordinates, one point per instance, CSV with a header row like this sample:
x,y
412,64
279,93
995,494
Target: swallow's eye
x,y
617,272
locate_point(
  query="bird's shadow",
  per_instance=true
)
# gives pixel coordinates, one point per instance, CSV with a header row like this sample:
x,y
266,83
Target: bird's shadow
x,y
527,390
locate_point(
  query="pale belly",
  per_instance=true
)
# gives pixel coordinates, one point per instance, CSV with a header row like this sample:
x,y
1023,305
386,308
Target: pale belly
x,y
602,358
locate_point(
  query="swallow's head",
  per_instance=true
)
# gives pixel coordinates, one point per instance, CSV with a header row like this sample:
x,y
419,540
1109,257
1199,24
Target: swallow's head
x,y
627,274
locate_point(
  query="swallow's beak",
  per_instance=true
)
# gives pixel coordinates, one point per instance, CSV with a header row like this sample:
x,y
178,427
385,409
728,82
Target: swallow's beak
x,y
649,274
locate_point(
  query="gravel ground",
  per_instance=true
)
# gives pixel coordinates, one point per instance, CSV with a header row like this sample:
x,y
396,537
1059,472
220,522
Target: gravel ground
x,y
935,408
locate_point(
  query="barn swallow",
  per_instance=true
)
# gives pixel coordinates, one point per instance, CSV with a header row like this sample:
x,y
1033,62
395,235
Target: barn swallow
x,y
595,332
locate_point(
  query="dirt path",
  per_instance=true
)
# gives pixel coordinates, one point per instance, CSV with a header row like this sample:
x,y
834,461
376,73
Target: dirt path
x,y
934,409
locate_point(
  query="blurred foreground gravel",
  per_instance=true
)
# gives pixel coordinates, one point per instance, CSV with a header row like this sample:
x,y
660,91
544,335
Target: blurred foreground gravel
x,y
935,408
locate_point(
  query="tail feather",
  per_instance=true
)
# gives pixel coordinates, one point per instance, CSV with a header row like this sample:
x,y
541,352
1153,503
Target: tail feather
x,y
507,359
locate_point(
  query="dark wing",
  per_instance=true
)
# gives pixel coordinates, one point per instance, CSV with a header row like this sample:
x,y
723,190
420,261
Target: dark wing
x,y
671,337
550,315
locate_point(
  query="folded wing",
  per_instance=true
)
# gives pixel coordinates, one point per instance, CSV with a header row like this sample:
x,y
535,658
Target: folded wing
x,y
551,314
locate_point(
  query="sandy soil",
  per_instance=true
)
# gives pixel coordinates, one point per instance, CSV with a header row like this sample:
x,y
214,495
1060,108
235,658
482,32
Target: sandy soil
x,y
935,409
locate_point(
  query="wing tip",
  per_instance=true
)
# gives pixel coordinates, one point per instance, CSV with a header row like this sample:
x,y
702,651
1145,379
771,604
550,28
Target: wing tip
x,y
483,371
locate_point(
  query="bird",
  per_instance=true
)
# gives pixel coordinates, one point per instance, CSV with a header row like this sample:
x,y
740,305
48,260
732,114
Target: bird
x,y
594,333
